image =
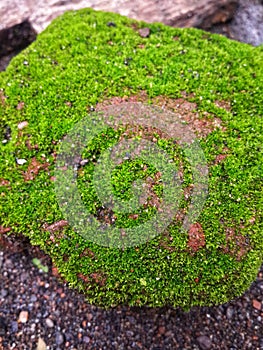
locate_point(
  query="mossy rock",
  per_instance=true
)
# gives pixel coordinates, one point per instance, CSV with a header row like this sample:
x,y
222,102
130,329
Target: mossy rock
x,y
88,60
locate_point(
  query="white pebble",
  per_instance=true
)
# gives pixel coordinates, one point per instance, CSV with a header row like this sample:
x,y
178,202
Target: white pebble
x,y
20,161
49,323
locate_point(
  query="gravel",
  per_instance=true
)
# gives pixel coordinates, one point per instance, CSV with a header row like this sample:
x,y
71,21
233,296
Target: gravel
x,y
38,311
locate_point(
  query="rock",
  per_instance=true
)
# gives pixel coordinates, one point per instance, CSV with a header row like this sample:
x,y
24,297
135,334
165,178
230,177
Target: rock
x,y
200,49
204,342
179,13
11,38
247,25
22,20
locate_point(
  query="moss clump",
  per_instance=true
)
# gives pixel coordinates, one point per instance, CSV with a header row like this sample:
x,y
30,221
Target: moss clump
x,y
80,63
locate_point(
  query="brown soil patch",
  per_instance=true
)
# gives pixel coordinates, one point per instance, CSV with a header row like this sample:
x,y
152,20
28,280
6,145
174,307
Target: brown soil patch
x,y
237,245
95,277
87,252
33,169
201,126
196,237
186,110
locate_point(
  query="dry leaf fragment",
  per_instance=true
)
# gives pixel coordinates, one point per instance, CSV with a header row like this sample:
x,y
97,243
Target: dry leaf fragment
x,y
56,226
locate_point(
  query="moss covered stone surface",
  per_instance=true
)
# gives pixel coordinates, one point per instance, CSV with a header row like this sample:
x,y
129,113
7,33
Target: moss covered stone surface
x,y
86,59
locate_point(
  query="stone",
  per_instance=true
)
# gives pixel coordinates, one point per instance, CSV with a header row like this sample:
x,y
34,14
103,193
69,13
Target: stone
x,y
23,317
41,345
75,61
204,342
22,20
179,13
256,304
49,323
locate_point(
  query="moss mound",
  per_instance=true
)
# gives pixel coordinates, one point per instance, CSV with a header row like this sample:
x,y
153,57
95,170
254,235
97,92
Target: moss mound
x,y
88,60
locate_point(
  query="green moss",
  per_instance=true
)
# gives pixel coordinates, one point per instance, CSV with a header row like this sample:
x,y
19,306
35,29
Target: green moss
x,y
79,61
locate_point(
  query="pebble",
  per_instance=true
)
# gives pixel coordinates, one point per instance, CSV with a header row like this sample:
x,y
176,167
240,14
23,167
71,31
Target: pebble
x,y
4,293
204,342
20,161
59,338
144,32
256,304
86,339
229,312
161,330
14,326
33,298
23,317
23,276
49,323
41,345
89,316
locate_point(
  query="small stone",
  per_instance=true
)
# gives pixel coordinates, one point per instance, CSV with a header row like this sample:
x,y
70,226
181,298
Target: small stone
x,y
23,317
4,293
20,161
256,304
130,334
229,312
41,345
33,298
14,326
89,316
144,32
49,323
23,276
59,338
86,339
204,342
161,330
111,24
